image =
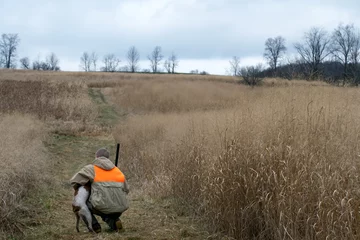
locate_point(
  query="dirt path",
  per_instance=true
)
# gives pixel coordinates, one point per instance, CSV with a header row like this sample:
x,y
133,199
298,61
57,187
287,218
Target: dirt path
x,y
145,219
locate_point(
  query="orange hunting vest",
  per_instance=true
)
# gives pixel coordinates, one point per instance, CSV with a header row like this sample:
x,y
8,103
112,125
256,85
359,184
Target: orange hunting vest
x,y
113,175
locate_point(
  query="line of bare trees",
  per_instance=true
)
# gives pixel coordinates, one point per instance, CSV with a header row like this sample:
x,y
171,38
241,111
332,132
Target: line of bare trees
x,y
331,56
320,55
88,61
319,47
111,63
8,56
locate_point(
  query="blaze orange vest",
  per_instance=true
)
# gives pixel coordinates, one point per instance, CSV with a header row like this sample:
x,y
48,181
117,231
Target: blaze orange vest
x,y
113,175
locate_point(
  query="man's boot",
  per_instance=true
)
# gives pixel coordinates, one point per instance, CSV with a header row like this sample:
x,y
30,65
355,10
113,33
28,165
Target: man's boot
x,y
119,226
96,227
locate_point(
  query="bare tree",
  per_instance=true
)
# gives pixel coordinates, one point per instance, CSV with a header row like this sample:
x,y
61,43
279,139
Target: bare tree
x,y
234,65
274,51
314,49
25,63
8,48
355,60
36,65
355,51
342,42
41,65
124,69
111,63
50,64
53,62
167,66
93,59
133,58
174,62
252,75
85,62
155,58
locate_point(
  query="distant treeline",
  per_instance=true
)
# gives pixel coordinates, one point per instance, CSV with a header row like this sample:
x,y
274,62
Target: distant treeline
x,y
333,57
330,71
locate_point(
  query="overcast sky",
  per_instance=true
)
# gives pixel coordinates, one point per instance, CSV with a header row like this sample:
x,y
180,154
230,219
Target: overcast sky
x,y
204,34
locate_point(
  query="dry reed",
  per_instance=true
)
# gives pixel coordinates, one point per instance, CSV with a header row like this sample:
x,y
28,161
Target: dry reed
x,y
282,164
175,96
65,106
22,157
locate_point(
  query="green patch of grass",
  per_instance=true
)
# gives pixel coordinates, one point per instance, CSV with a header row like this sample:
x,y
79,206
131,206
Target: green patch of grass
x,y
107,114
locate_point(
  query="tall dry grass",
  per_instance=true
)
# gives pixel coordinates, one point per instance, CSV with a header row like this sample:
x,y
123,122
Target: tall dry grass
x,y
104,79
66,106
47,100
175,96
23,169
282,164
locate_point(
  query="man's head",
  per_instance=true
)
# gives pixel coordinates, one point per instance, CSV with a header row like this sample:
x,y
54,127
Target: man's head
x,y
102,152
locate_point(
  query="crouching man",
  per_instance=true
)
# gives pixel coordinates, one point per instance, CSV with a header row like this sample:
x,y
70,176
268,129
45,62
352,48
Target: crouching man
x,y
108,190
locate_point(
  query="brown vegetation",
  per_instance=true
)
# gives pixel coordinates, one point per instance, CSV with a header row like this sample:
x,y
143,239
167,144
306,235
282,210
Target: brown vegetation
x,y
48,101
65,104
22,158
277,162
282,164
29,109
175,96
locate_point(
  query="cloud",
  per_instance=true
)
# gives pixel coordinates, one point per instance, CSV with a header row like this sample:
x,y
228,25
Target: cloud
x,y
194,29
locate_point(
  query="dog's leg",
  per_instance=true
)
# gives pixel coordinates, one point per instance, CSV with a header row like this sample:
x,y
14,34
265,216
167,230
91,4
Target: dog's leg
x,y
87,218
77,221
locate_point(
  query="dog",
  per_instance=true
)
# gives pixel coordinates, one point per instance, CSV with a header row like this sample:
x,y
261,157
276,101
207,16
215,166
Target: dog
x,y
80,208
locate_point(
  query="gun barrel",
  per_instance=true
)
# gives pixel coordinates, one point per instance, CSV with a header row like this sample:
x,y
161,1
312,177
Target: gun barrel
x,y
117,154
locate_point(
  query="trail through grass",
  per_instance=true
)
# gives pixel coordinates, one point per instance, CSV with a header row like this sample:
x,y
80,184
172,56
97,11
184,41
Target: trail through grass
x,y
107,114
145,219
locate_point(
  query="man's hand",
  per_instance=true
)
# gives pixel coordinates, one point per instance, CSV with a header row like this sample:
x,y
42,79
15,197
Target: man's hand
x,y
126,187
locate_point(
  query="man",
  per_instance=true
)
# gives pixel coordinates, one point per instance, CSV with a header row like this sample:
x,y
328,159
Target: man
x,y
108,190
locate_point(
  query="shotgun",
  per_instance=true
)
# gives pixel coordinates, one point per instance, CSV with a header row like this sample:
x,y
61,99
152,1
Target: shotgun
x,y
117,154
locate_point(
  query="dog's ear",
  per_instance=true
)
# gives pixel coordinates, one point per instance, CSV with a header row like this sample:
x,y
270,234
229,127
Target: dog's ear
x,y
76,186
76,191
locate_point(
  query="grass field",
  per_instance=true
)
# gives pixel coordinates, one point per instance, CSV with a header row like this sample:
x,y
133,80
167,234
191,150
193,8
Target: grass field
x,y
208,158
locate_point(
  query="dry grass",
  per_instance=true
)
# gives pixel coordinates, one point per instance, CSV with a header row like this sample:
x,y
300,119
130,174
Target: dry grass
x,y
64,105
22,158
103,79
282,164
175,96
272,82
48,101
29,109
277,162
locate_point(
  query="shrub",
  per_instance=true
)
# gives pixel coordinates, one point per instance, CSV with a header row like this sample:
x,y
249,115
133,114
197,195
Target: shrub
x,y
252,75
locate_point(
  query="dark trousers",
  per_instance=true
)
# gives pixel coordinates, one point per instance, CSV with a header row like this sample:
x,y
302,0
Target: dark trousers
x,y
110,219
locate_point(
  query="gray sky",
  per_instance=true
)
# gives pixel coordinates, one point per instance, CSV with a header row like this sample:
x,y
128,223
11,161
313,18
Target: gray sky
x,y
204,34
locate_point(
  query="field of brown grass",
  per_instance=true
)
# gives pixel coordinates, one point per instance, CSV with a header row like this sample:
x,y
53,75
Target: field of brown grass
x,y
279,161
31,109
22,158
263,163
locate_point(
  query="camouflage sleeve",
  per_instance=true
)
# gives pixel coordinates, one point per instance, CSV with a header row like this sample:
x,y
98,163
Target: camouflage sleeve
x,y
82,177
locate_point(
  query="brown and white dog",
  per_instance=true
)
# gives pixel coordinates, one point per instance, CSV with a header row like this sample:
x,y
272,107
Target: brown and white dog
x,y
80,208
